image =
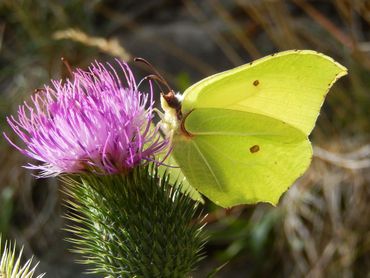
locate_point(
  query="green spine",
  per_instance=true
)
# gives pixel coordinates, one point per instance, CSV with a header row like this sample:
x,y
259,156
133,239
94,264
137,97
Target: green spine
x,y
134,225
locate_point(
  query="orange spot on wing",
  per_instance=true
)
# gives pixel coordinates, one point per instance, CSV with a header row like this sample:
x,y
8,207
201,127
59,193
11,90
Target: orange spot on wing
x,y
254,149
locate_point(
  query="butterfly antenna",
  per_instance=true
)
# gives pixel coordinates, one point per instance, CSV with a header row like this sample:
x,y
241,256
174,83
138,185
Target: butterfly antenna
x,y
157,76
67,65
158,81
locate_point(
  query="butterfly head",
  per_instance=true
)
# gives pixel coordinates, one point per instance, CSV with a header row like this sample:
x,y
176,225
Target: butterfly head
x,y
171,105
170,101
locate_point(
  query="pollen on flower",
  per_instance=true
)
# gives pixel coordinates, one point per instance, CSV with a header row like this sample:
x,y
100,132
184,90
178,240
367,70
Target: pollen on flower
x,y
92,122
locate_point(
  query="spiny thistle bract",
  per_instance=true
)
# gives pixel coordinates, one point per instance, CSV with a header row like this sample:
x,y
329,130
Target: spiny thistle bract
x,y
135,225
10,263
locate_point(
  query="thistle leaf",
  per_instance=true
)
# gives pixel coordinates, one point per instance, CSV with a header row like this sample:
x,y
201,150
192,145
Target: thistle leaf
x,y
10,263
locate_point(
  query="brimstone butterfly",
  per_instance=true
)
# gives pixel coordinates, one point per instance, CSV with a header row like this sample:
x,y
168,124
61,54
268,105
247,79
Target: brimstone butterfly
x,y
241,136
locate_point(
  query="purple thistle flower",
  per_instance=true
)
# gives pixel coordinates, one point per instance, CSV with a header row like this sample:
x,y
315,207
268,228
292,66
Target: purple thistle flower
x,y
90,123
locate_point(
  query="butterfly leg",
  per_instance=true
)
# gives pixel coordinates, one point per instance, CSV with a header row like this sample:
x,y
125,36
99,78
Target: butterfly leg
x,y
159,113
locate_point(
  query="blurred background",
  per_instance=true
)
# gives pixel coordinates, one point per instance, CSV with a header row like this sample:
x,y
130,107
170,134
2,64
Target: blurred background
x,y
321,227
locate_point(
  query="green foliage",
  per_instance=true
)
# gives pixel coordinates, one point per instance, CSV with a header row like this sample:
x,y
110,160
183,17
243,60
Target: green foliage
x,y
6,208
246,235
10,263
134,225
183,81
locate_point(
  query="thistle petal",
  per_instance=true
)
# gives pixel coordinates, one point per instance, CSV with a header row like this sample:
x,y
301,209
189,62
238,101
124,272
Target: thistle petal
x,y
94,122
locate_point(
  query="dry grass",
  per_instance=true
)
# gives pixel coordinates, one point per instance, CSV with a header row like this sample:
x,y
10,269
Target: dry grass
x,y
325,223
109,46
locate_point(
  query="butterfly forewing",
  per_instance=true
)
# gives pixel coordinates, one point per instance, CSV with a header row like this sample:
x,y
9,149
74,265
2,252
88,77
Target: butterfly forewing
x,y
289,86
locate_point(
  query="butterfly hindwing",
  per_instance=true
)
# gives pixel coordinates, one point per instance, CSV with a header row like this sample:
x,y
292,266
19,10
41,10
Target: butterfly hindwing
x,y
236,157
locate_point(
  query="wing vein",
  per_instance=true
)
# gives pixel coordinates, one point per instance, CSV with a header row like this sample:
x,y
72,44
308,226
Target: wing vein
x,y
242,134
208,166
